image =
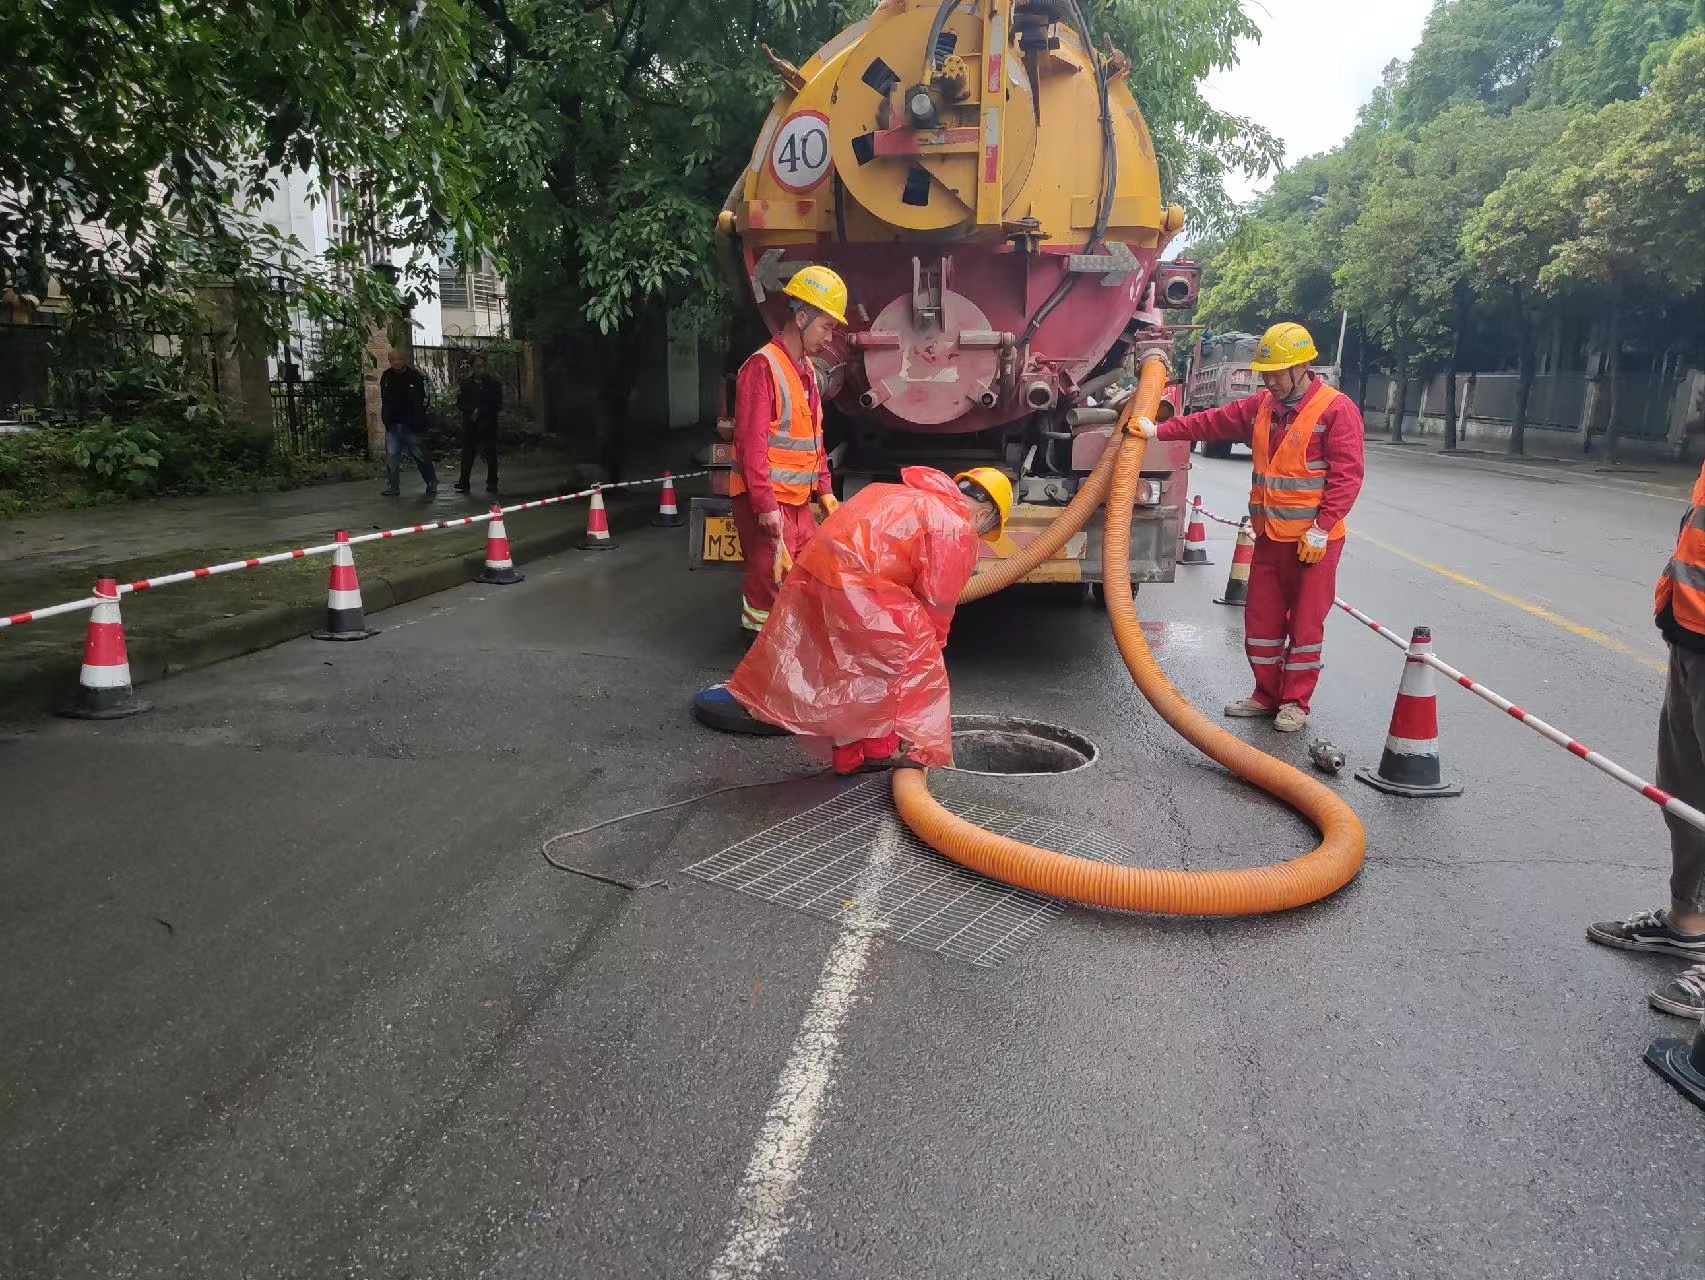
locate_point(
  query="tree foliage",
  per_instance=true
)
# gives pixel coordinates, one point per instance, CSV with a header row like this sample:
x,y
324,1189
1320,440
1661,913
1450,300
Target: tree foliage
x,y
137,137
1535,165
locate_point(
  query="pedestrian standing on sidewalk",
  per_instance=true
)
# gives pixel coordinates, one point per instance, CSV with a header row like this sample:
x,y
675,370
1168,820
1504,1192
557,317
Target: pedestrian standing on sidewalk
x,y
402,408
1306,438
1680,931
779,463
480,398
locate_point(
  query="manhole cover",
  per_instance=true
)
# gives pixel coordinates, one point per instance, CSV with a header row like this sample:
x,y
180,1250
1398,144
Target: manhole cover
x,y
1018,748
823,860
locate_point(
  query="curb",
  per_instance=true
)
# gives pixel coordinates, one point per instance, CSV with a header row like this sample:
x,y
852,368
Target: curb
x,y
43,685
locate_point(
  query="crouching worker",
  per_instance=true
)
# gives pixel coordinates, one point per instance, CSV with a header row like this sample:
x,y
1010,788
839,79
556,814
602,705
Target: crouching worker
x,y
852,648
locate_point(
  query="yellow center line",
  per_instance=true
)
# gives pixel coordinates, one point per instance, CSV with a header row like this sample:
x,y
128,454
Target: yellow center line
x,y
1526,606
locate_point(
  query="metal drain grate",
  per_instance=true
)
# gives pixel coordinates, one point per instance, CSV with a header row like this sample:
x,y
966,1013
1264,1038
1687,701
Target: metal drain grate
x,y
814,862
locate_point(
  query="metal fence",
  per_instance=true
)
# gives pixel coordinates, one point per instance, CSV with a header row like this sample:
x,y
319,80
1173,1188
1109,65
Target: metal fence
x,y
440,365
1645,404
315,420
41,376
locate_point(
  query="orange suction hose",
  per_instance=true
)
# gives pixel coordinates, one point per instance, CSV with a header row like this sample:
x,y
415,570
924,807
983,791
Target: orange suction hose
x,y
1248,891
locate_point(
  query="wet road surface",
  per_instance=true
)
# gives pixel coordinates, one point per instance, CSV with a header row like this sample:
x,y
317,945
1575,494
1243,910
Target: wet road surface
x,y
286,990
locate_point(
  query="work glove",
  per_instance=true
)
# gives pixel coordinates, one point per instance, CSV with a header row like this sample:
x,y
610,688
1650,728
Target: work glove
x,y
783,564
1312,548
1143,427
828,502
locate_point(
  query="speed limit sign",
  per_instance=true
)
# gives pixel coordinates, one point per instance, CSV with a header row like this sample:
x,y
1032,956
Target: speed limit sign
x,y
799,155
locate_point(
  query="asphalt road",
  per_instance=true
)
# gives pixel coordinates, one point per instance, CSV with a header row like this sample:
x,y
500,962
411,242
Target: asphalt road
x,y
286,990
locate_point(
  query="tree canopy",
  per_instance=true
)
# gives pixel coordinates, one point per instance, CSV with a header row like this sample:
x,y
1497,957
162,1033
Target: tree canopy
x,y
1536,165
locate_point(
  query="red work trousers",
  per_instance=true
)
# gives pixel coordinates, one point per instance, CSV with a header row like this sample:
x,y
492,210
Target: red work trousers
x,y
758,592
1284,623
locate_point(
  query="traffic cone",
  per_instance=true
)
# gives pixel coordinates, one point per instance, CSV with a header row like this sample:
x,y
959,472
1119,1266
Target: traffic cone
x,y
499,568
668,514
1195,537
103,686
1683,1065
1237,581
1409,765
597,526
345,618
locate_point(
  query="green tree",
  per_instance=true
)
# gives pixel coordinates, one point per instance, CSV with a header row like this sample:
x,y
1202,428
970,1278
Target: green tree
x,y
163,123
1610,49
1486,51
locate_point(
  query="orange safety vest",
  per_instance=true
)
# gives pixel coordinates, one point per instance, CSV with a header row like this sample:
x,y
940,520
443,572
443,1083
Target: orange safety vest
x,y
1682,586
1285,487
796,435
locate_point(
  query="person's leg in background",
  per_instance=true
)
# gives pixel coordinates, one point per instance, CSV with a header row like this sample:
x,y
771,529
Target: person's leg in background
x,y
757,588
1679,931
393,462
470,447
1264,628
488,442
799,526
417,449
1312,589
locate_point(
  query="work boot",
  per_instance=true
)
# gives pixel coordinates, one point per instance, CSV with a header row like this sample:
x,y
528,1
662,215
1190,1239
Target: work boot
x,y
1291,717
1648,931
1249,709
1683,995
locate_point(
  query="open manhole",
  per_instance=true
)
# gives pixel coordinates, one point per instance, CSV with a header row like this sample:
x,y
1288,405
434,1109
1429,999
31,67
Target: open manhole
x,y
1010,747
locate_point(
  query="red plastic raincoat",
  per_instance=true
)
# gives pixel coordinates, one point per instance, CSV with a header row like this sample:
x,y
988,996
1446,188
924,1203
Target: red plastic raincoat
x,y
852,648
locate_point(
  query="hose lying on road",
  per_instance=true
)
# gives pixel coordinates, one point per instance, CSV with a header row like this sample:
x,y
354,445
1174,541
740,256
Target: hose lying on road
x,y
1247,891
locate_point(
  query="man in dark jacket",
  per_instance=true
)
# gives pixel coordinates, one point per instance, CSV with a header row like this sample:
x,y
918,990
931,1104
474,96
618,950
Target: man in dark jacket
x,y
479,397
402,408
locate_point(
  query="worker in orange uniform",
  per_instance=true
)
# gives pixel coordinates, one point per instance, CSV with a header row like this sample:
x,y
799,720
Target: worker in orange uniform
x,y
1306,438
779,463
852,652
1680,930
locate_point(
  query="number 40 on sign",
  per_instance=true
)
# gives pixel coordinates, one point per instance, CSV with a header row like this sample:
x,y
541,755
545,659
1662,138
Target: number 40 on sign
x,y
799,155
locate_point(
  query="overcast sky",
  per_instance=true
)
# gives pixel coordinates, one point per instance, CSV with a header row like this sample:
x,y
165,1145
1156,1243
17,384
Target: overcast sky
x,y
1315,64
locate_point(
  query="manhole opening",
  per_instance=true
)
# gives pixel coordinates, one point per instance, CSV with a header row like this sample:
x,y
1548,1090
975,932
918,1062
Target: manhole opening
x,y
1005,746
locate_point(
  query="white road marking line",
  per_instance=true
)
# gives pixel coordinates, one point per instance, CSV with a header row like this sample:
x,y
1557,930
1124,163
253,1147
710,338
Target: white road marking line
x,y
778,1159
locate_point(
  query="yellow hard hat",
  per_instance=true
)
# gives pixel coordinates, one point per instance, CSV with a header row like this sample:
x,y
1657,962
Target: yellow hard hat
x,y
1284,346
993,482
821,288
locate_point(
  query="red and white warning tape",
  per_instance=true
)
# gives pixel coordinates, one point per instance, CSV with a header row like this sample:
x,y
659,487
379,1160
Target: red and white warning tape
x,y
1657,795
298,553
1663,799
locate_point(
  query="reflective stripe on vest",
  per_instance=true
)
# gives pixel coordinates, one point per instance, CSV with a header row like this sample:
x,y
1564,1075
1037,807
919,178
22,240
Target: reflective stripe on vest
x,y
1285,488
795,442
1682,585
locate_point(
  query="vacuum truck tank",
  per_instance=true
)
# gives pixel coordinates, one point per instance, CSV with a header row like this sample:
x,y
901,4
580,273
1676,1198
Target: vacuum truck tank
x,y
985,184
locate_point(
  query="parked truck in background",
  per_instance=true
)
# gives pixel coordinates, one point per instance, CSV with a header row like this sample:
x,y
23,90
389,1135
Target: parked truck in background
x,y
1220,373
982,178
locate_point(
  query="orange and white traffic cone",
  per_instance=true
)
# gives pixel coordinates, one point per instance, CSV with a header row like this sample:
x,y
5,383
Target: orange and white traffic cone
x,y
1195,537
1237,581
499,568
1410,764
103,686
345,617
597,526
668,513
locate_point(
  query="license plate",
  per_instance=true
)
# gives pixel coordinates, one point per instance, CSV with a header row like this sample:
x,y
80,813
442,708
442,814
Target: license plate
x,y
721,541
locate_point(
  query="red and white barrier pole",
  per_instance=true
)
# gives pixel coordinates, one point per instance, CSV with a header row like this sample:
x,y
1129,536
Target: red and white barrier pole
x,y
1668,803
327,548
